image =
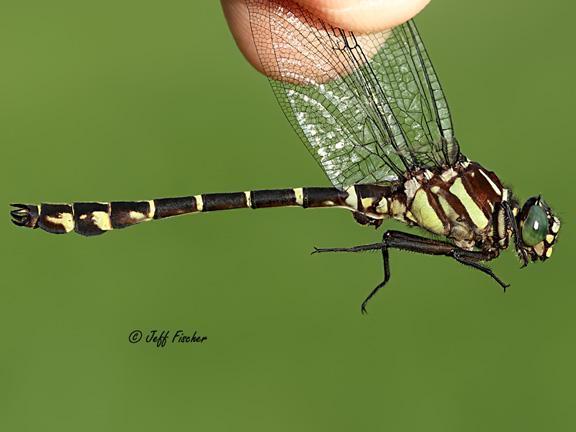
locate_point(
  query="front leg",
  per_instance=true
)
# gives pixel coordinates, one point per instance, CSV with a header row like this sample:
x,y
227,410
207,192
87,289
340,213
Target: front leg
x,y
409,242
511,222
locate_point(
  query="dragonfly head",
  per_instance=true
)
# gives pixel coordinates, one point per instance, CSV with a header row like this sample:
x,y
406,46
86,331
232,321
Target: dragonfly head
x,y
538,229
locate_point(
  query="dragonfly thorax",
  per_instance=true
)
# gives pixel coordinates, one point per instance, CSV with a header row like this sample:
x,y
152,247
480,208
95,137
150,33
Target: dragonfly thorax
x,y
460,202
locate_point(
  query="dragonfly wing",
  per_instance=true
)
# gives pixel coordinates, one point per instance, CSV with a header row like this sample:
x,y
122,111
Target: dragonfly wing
x,y
361,104
409,81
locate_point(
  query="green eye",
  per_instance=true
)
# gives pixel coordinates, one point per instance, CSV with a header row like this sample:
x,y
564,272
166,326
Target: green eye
x,y
535,226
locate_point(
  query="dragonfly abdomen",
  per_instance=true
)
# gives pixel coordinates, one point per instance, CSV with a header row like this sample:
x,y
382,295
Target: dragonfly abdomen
x,y
93,218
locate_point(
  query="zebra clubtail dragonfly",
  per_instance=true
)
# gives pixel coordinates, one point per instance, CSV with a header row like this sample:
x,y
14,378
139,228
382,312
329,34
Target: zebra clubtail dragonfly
x,y
372,112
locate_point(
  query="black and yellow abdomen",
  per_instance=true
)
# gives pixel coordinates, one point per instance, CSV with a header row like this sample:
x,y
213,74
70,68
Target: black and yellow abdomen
x,y
458,203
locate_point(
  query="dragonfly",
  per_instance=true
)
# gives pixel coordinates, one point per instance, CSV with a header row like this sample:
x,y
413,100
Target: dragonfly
x,y
372,112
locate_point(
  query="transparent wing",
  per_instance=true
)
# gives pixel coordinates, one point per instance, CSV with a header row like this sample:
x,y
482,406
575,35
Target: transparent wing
x,y
407,77
368,107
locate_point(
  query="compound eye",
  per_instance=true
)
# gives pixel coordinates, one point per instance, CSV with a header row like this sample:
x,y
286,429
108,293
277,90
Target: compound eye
x,y
535,226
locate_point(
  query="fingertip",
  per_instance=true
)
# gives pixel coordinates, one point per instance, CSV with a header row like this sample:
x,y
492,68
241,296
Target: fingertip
x,y
364,16
361,16
238,18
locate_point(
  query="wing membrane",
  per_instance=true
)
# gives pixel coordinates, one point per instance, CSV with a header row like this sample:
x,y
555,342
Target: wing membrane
x,y
411,85
369,107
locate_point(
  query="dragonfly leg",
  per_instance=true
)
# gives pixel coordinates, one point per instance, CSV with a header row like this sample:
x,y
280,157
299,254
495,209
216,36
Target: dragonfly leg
x,y
405,241
361,248
462,258
511,221
413,243
381,284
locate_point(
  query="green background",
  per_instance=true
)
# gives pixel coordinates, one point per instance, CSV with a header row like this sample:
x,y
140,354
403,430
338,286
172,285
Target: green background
x,y
142,99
